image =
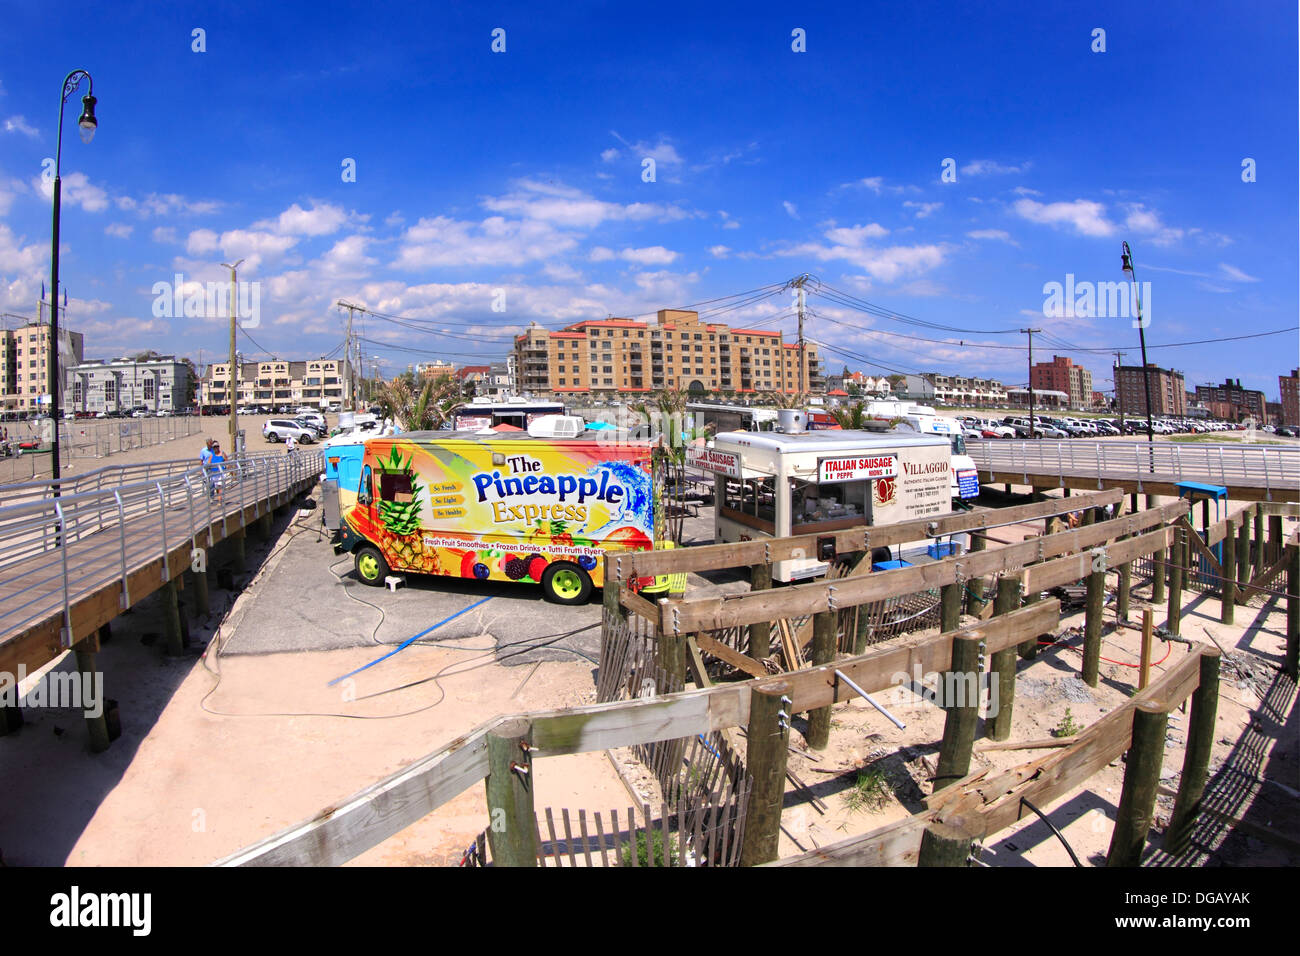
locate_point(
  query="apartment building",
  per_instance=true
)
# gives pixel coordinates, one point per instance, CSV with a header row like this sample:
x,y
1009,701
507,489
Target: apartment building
x,y
676,351
1247,402
1168,390
1290,388
119,385
25,367
967,392
317,382
1062,375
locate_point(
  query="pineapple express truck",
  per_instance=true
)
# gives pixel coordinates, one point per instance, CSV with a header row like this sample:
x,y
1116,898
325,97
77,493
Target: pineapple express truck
x,y
505,507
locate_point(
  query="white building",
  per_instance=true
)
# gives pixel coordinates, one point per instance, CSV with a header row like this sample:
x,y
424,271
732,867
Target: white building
x,y
120,385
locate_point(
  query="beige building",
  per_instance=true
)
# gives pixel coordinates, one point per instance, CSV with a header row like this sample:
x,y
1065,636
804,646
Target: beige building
x,y
24,363
1168,391
316,382
677,351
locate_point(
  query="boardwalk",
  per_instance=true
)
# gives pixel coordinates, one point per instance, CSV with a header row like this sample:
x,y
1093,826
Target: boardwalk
x,y
1250,472
71,564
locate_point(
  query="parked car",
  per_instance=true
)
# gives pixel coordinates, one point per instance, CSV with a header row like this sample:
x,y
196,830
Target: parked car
x,y
314,419
279,429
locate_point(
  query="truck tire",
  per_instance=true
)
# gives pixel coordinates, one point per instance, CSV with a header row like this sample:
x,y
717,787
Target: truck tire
x,y
566,583
371,566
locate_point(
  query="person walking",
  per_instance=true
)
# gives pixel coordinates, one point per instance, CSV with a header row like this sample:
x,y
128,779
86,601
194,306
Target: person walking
x,y
290,444
216,471
206,454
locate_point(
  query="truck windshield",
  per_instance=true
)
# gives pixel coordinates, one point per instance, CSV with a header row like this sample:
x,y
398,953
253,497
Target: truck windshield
x,y
958,445
811,503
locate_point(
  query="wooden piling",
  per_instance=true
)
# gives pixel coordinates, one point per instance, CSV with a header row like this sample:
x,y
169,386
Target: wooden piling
x,y
1178,555
172,620
760,634
1028,650
945,843
1292,663
1228,583
823,652
1259,541
1196,760
96,726
1096,603
1141,779
1158,576
1144,656
237,549
1002,665
961,684
264,526
949,607
200,581
975,587
670,654
609,590
1243,551
1125,586
512,824
768,739
1275,540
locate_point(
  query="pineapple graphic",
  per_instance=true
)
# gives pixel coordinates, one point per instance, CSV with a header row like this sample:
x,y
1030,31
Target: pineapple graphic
x,y
400,538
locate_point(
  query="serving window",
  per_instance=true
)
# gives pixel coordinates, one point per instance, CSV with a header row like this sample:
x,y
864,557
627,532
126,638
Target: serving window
x,y
835,504
751,502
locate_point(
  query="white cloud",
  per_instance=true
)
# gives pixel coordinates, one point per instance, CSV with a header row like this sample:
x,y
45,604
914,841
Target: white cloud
x,y
648,256
609,155
923,209
856,235
119,229
76,190
321,219
1234,274
996,234
1087,217
1026,191
727,221
1147,222
201,241
9,188
886,265
168,204
164,234
874,183
791,208
719,252
989,167
442,241
19,124
568,207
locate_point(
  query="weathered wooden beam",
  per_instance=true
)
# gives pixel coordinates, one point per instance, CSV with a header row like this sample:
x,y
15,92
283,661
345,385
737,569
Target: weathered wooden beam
x,y
1178,554
945,843
730,656
1228,577
96,723
1292,662
960,692
863,538
823,652
1002,665
760,632
950,606
1092,627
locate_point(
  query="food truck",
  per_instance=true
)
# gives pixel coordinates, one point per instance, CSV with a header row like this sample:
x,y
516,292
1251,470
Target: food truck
x,y
500,507
777,485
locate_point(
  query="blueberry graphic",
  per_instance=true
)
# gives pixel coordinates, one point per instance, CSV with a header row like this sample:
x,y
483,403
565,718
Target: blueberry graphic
x,y
481,571
587,562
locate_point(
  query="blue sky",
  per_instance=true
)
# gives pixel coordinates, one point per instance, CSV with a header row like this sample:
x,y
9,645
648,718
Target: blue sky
x,y
522,171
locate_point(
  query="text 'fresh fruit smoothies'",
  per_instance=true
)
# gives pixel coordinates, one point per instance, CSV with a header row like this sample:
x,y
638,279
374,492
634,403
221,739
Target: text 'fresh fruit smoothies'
x,y
506,507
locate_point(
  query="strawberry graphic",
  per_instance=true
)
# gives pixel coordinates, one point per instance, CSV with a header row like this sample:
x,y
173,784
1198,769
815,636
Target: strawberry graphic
x,y
537,567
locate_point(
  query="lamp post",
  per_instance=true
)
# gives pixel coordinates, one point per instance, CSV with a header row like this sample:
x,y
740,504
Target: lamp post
x,y
1126,263
87,124
232,390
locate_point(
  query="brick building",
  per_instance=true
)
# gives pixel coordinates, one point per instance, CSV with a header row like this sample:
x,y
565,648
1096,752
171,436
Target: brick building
x,y
1248,401
1168,391
1062,375
677,351
1290,387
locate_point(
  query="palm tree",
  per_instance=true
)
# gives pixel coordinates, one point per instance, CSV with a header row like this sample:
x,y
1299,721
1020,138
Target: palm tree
x,y
419,405
786,399
849,416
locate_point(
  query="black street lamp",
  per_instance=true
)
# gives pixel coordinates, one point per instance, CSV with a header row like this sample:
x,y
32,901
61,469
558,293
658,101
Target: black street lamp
x,y
1126,263
87,124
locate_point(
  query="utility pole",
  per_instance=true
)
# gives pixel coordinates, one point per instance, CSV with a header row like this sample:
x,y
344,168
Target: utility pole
x,y
1031,332
231,387
798,285
349,380
1119,399
1126,262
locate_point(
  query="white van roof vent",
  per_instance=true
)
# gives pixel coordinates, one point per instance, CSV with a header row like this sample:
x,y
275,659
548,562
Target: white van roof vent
x,y
557,426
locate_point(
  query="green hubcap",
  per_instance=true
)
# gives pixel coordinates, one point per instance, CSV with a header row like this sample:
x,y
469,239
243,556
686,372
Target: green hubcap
x,y
567,584
368,566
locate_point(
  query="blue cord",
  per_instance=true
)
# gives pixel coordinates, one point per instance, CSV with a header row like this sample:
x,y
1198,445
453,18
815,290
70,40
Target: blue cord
x,y
407,643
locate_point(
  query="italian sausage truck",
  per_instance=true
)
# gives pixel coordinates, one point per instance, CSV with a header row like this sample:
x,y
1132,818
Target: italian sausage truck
x,y
500,507
775,485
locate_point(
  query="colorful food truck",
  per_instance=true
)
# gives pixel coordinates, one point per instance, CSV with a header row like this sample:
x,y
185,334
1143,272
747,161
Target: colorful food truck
x,y
776,485
503,507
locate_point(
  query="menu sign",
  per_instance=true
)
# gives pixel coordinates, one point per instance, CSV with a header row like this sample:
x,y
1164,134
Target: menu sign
x,y
857,468
709,459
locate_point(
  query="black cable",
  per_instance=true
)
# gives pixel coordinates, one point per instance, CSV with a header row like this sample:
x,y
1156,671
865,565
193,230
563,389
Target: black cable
x,y
1059,835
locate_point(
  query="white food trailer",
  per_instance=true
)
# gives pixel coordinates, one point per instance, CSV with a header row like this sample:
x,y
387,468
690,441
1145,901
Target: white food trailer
x,y
776,485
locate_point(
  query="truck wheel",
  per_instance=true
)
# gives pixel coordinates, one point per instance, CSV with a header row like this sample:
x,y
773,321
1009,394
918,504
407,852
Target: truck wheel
x,y
565,583
371,566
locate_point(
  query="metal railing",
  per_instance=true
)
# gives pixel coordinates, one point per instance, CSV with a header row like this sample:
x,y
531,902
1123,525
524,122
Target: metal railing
x,y
55,551
1262,466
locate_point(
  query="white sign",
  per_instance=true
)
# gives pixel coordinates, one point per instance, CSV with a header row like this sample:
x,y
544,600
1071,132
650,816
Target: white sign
x,y
708,459
856,468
